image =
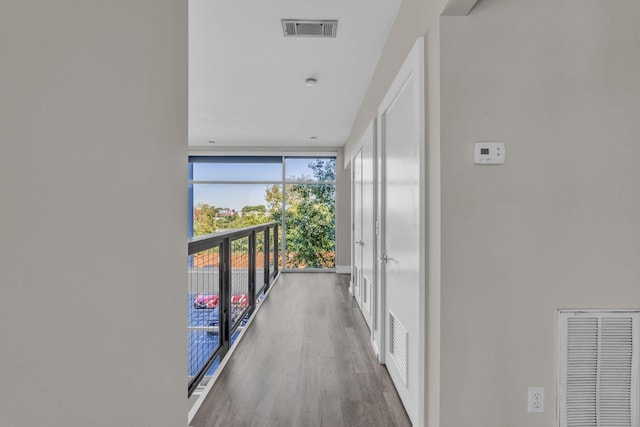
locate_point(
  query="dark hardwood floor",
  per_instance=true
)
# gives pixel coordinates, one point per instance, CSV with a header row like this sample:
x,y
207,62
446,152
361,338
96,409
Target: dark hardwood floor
x,y
306,360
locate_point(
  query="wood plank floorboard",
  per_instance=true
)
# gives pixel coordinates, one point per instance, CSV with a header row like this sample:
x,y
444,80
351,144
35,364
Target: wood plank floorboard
x,y
306,360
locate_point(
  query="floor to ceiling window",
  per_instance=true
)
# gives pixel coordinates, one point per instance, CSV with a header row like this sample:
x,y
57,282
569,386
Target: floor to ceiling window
x,y
227,192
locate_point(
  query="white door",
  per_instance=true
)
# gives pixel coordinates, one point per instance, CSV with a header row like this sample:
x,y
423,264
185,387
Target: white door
x,y
368,239
356,275
401,134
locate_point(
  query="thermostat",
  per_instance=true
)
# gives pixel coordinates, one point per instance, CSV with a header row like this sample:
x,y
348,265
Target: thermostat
x,y
489,153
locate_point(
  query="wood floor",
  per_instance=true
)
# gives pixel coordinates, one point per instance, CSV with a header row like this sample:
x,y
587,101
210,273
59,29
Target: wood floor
x,y
306,360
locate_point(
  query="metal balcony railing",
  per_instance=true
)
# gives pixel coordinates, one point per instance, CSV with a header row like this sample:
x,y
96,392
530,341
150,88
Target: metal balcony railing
x,y
229,274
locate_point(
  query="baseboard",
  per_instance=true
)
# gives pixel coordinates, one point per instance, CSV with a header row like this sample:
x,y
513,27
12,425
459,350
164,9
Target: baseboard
x,y
343,269
374,345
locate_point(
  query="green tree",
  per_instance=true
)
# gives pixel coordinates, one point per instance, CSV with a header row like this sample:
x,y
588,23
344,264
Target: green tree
x,y
273,197
242,221
324,169
310,217
254,209
204,219
310,226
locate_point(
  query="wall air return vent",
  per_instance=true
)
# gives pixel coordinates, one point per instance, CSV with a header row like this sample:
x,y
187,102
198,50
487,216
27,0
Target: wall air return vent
x,y
399,351
307,28
598,381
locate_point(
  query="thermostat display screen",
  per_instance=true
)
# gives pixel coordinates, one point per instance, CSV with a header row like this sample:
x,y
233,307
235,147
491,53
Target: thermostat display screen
x,y
484,151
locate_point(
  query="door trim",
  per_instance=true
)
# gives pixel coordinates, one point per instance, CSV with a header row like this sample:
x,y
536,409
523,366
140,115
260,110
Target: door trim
x,y
356,270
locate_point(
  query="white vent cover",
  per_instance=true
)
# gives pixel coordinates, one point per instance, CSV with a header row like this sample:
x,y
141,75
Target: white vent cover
x,y
307,28
599,369
398,350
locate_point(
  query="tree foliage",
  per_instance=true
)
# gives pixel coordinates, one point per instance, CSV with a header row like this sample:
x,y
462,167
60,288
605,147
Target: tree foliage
x,y
254,209
207,219
309,216
204,219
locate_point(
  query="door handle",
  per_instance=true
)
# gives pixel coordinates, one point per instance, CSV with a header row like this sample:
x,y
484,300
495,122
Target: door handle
x,y
359,243
384,259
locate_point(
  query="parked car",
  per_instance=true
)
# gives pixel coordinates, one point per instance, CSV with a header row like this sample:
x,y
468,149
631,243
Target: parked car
x,y
205,301
236,311
240,300
210,301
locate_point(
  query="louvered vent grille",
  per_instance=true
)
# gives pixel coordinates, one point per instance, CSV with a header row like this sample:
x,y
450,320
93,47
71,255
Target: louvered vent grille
x,y
289,28
599,357
615,372
307,28
399,340
582,372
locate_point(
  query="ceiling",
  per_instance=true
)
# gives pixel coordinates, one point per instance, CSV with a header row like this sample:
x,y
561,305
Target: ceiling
x,y
247,81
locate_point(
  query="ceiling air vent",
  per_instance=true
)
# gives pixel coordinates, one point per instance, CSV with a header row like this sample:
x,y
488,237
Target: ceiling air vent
x,y
306,28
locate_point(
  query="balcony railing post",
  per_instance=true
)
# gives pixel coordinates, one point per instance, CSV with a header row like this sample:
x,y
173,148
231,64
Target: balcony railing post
x,y
252,271
265,259
225,296
276,250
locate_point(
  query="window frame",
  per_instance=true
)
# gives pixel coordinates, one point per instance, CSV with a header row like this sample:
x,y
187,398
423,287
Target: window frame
x,y
283,182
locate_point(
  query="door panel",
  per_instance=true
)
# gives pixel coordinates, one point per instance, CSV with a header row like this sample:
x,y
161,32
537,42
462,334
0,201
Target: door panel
x,y
401,119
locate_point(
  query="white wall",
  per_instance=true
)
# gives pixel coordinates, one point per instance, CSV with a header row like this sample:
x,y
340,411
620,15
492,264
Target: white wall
x,y
93,126
558,225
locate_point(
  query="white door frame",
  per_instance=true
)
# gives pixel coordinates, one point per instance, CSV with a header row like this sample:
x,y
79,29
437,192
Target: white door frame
x,y
413,64
356,228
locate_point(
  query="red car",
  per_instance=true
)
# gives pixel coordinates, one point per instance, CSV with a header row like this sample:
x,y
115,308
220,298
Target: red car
x,y
202,301
240,300
205,301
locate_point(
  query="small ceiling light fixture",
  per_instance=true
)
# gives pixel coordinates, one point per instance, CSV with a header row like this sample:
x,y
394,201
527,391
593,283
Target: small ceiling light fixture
x,y
311,81
212,142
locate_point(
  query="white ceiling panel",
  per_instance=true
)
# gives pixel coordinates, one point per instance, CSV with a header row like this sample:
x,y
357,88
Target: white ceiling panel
x,y
247,80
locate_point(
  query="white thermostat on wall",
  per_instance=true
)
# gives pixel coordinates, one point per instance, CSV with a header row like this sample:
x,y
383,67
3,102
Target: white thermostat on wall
x,y
489,153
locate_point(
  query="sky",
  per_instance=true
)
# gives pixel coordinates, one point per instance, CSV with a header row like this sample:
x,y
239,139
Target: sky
x,y
232,196
236,196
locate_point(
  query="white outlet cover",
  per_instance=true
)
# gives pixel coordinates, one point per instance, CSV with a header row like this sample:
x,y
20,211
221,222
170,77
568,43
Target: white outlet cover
x,y
536,399
489,153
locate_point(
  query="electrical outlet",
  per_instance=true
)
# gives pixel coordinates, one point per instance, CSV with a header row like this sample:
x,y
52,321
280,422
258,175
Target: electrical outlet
x,y
536,399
